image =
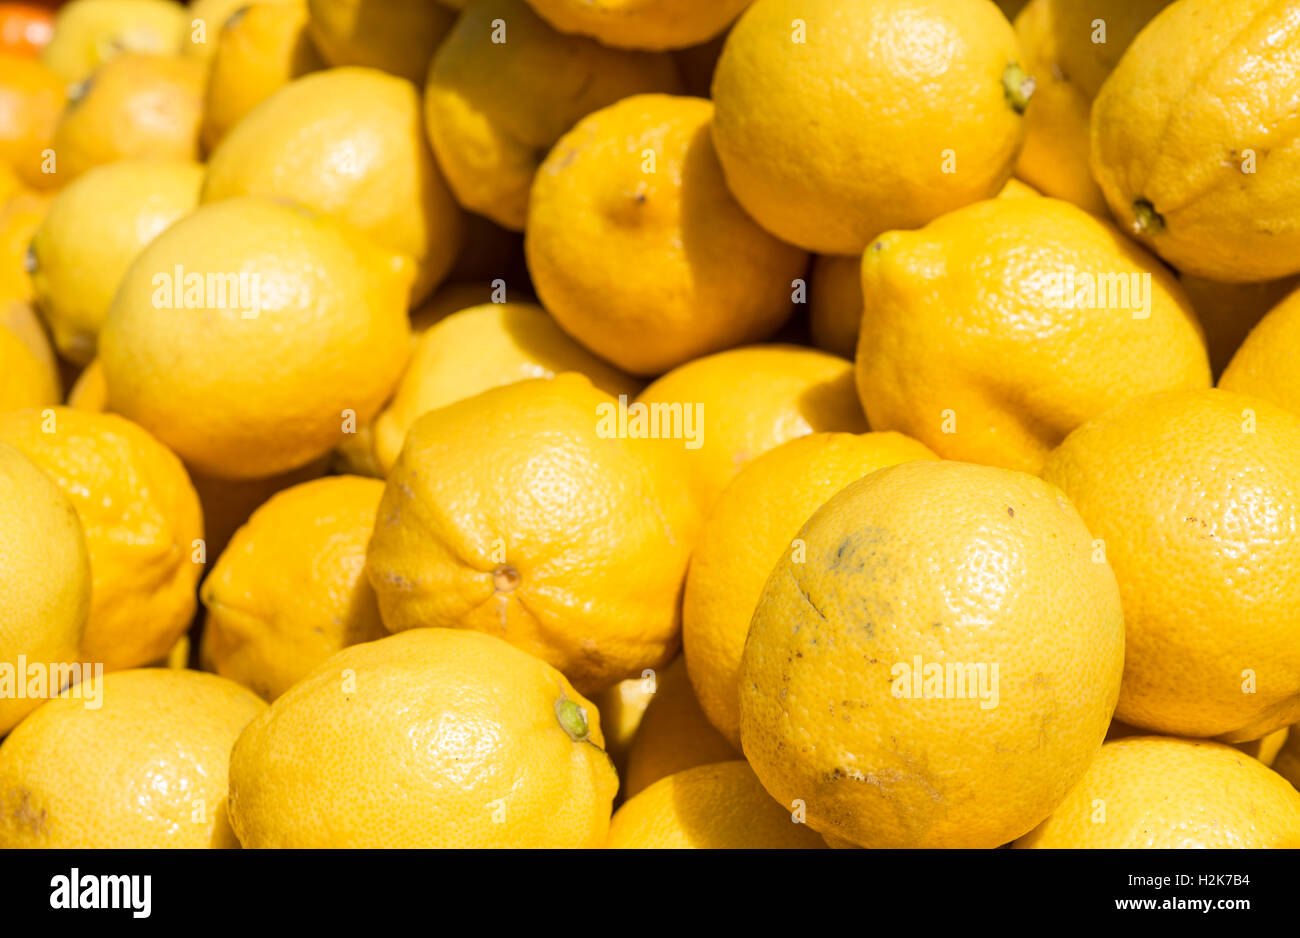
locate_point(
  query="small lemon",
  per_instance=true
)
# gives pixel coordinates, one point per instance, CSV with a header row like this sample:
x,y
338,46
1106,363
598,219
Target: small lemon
x,y
622,707
1228,311
19,219
90,392
641,24
208,18
398,36
229,503
29,375
31,99
89,33
1266,364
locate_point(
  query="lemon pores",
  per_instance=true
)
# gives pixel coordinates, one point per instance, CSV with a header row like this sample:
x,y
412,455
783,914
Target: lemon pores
x,y
641,24
1265,365
1185,489
1160,792
505,86
941,667
672,267
1070,48
1198,163
160,741
1077,318
754,523
511,342
521,512
45,580
708,807
94,228
839,119
142,523
241,292
431,738
291,589
347,142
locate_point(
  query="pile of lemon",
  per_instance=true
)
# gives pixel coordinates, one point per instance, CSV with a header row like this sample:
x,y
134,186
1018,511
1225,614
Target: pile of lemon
x,y
651,423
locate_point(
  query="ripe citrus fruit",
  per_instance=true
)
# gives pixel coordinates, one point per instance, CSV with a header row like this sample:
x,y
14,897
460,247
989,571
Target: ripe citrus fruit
x,y
940,667
291,589
45,580
432,738
839,119
19,219
750,527
638,249
513,512
28,374
1076,318
201,323
89,33
159,741
622,707
1154,791
505,86
347,142
1265,365
747,400
398,36
709,807
31,98
641,24
1228,311
1184,490
142,524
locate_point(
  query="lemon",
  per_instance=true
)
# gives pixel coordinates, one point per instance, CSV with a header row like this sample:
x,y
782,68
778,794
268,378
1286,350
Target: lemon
x,y
511,342
746,401
994,331
1194,161
347,142
45,580
447,299
159,741
135,106
750,527
1157,792
638,249
505,86
208,18
622,706
839,119
142,524
641,24
519,513
94,228
260,49
89,33
31,99
19,219
290,589
708,807
245,290
674,734
941,665
1183,490
29,376
398,36
89,392
229,503
1265,365
432,738
1229,311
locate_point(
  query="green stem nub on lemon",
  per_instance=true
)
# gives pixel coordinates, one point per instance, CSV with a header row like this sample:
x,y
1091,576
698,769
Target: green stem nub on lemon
x,y
1019,87
573,717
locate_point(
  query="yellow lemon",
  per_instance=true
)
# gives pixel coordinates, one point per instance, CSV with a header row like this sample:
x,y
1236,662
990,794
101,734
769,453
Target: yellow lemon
x,y
941,666
29,376
738,404
89,33
1287,761
1195,497
511,342
347,142
229,503
159,742
839,119
142,524
90,392
1159,792
135,106
1197,163
750,527
1228,311
519,512
260,49
94,228
674,733
1267,748
398,36
291,589
208,18
240,292
622,706
447,299
638,249
31,99
996,330
505,86
708,807
1266,364
1070,48
19,219
45,580
641,24
432,738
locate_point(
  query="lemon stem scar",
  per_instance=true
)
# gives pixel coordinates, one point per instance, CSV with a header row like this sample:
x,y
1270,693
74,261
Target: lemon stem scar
x,y
505,578
1146,220
573,718
1018,86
